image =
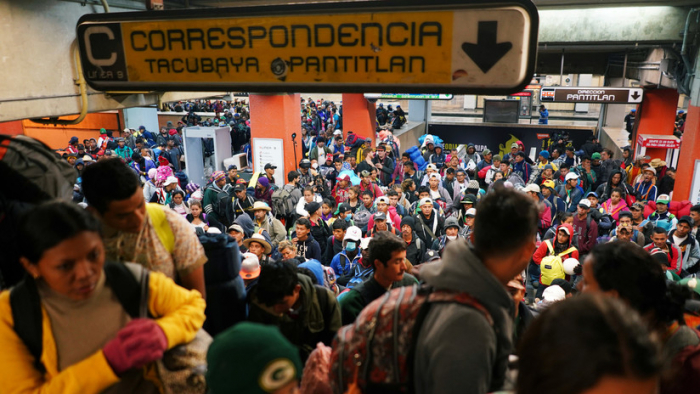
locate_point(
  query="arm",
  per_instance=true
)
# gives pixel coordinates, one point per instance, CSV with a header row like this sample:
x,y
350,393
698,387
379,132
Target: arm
x,y
540,253
195,281
279,232
350,306
315,251
188,255
591,239
18,375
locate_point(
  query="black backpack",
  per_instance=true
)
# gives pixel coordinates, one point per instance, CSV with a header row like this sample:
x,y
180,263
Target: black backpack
x,y
26,305
223,207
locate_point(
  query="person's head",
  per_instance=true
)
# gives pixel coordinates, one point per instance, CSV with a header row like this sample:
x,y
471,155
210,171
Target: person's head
x,y
506,208
326,206
624,357
514,149
260,212
555,153
659,237
60,243
114,194
278,286
339,227
434,181
695,214
451,228
253,358
685,224
380,223
563,235
543,156
503,167
232,171
616,195
308,194
671,173
566,218
195,208
393,197
624,233
367,198
662,203
178,197
649,174
387,254
354,193
423,192
381,151
454,161
303,228
461,175
449,174
236,231
287,249
519,157
624,270
625,219
321,142
383,204
569,151
426,206
584,206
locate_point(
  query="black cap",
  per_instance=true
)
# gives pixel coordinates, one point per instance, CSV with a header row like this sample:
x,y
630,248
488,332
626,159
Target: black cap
x,y
342,208
239,187
269,165
688,220
379,216
312,207
232,167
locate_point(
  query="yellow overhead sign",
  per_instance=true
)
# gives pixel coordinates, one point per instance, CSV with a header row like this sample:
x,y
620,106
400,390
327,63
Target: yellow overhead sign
x,y
409,49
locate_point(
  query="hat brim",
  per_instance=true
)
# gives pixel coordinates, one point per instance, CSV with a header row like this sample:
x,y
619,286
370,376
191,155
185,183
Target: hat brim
x,y
268,248
251,275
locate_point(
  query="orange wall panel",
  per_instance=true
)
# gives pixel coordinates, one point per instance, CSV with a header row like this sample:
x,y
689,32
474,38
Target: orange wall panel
x,y
277,116
57,137
359,115
690,151
657,115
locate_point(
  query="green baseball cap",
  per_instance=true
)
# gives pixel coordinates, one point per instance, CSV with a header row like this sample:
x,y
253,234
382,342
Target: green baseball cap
x,y
595,156
251,358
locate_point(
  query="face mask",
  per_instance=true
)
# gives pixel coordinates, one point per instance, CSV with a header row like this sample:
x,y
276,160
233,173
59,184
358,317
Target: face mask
x,y
351,246
451,237
348,217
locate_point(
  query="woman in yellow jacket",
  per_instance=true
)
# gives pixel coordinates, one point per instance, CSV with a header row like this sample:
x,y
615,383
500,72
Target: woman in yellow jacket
x,y
89,343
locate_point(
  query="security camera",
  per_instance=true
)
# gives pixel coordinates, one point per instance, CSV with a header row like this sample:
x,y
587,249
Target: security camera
x,y
294,135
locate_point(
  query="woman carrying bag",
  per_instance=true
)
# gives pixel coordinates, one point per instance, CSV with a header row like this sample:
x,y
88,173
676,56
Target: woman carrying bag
x,y
70,326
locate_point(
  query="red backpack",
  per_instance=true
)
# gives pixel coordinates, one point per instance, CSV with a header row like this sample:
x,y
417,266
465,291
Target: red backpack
x,y
376,352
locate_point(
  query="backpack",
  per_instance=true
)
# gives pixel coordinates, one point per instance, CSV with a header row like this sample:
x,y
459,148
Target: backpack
x,y
282,204
377,351
552,266
223,207
361,219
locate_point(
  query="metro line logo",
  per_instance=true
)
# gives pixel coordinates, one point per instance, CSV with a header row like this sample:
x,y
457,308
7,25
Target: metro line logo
x,y
422,49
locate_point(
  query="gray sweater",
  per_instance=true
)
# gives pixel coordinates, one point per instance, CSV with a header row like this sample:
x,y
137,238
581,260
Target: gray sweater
x,y
457,350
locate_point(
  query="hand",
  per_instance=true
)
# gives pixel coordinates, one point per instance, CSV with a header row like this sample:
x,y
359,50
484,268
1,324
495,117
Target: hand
x,y
138,343
295,240
206,228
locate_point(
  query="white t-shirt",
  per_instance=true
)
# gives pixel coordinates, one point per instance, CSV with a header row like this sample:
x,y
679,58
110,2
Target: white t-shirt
x,y
678,241
435,194
321,154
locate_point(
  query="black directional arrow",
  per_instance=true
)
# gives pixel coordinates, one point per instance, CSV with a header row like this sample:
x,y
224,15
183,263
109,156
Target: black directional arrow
x,y
486,52
635,95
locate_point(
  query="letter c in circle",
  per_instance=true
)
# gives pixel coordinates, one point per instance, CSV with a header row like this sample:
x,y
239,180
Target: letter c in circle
x,y
99,30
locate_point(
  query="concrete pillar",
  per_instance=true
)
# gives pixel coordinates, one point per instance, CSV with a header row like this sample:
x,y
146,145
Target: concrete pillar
x,y
359,115
419,110
583,80
277,117
690,147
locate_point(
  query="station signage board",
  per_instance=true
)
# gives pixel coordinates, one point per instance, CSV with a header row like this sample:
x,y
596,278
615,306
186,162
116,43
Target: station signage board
x,y
603,95
409,96
402,46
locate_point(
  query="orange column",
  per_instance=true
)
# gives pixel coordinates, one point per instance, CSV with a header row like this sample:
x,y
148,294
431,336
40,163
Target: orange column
x,y
690,151
359,115
657,115
277,116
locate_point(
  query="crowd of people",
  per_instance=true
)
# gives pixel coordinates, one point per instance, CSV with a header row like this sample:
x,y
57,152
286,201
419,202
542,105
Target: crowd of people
x,y
355,269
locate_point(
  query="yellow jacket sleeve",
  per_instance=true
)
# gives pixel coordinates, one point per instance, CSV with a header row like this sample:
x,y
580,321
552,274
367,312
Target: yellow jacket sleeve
x,y
179,312
17,372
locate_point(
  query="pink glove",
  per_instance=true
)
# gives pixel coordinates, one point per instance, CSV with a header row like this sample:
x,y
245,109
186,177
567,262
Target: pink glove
x,y
138,343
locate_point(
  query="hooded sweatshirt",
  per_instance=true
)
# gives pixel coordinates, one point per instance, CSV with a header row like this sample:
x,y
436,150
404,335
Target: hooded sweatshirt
x,y
543,250
457,350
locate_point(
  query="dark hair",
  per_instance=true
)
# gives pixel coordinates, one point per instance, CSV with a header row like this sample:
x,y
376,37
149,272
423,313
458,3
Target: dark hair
x,y
617,190
138,140
504,208
564,165
423,189
584,158
304,222
623,346
660,230
309,189
638,279
106,181
180,192
276,281
291,175
408,163
330,202
695,208
670,169
195,202
49,224
382,245
339,225
563,215
391,193
367,193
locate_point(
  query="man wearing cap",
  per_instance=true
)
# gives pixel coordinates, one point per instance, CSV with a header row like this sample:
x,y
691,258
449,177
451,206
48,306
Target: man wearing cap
x,y
562,242
129,138
388,259
72,145
164,194
367,184
236,232
429,224
585,228
629,121
487,159
543,206
415,248
639,223
624,233
379,224
216,201
688,245
662,217
571,160
384,165
673,254
625,220
343,263
587,176
510,157
543,160
241,201
270,172
320,152
570,193
232,175
123,151
487,172
520,166
306,314
384,206
548,193
263,219
306,178
452,229
646,190
438,193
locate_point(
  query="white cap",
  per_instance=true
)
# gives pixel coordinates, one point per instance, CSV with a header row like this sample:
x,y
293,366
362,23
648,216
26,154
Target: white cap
x,y
585,203
553,294
431,166
425,200
250,266
435,175
364,243
354,233
383,199
170,180
126,130
337,132
571,175
471,212
532,188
